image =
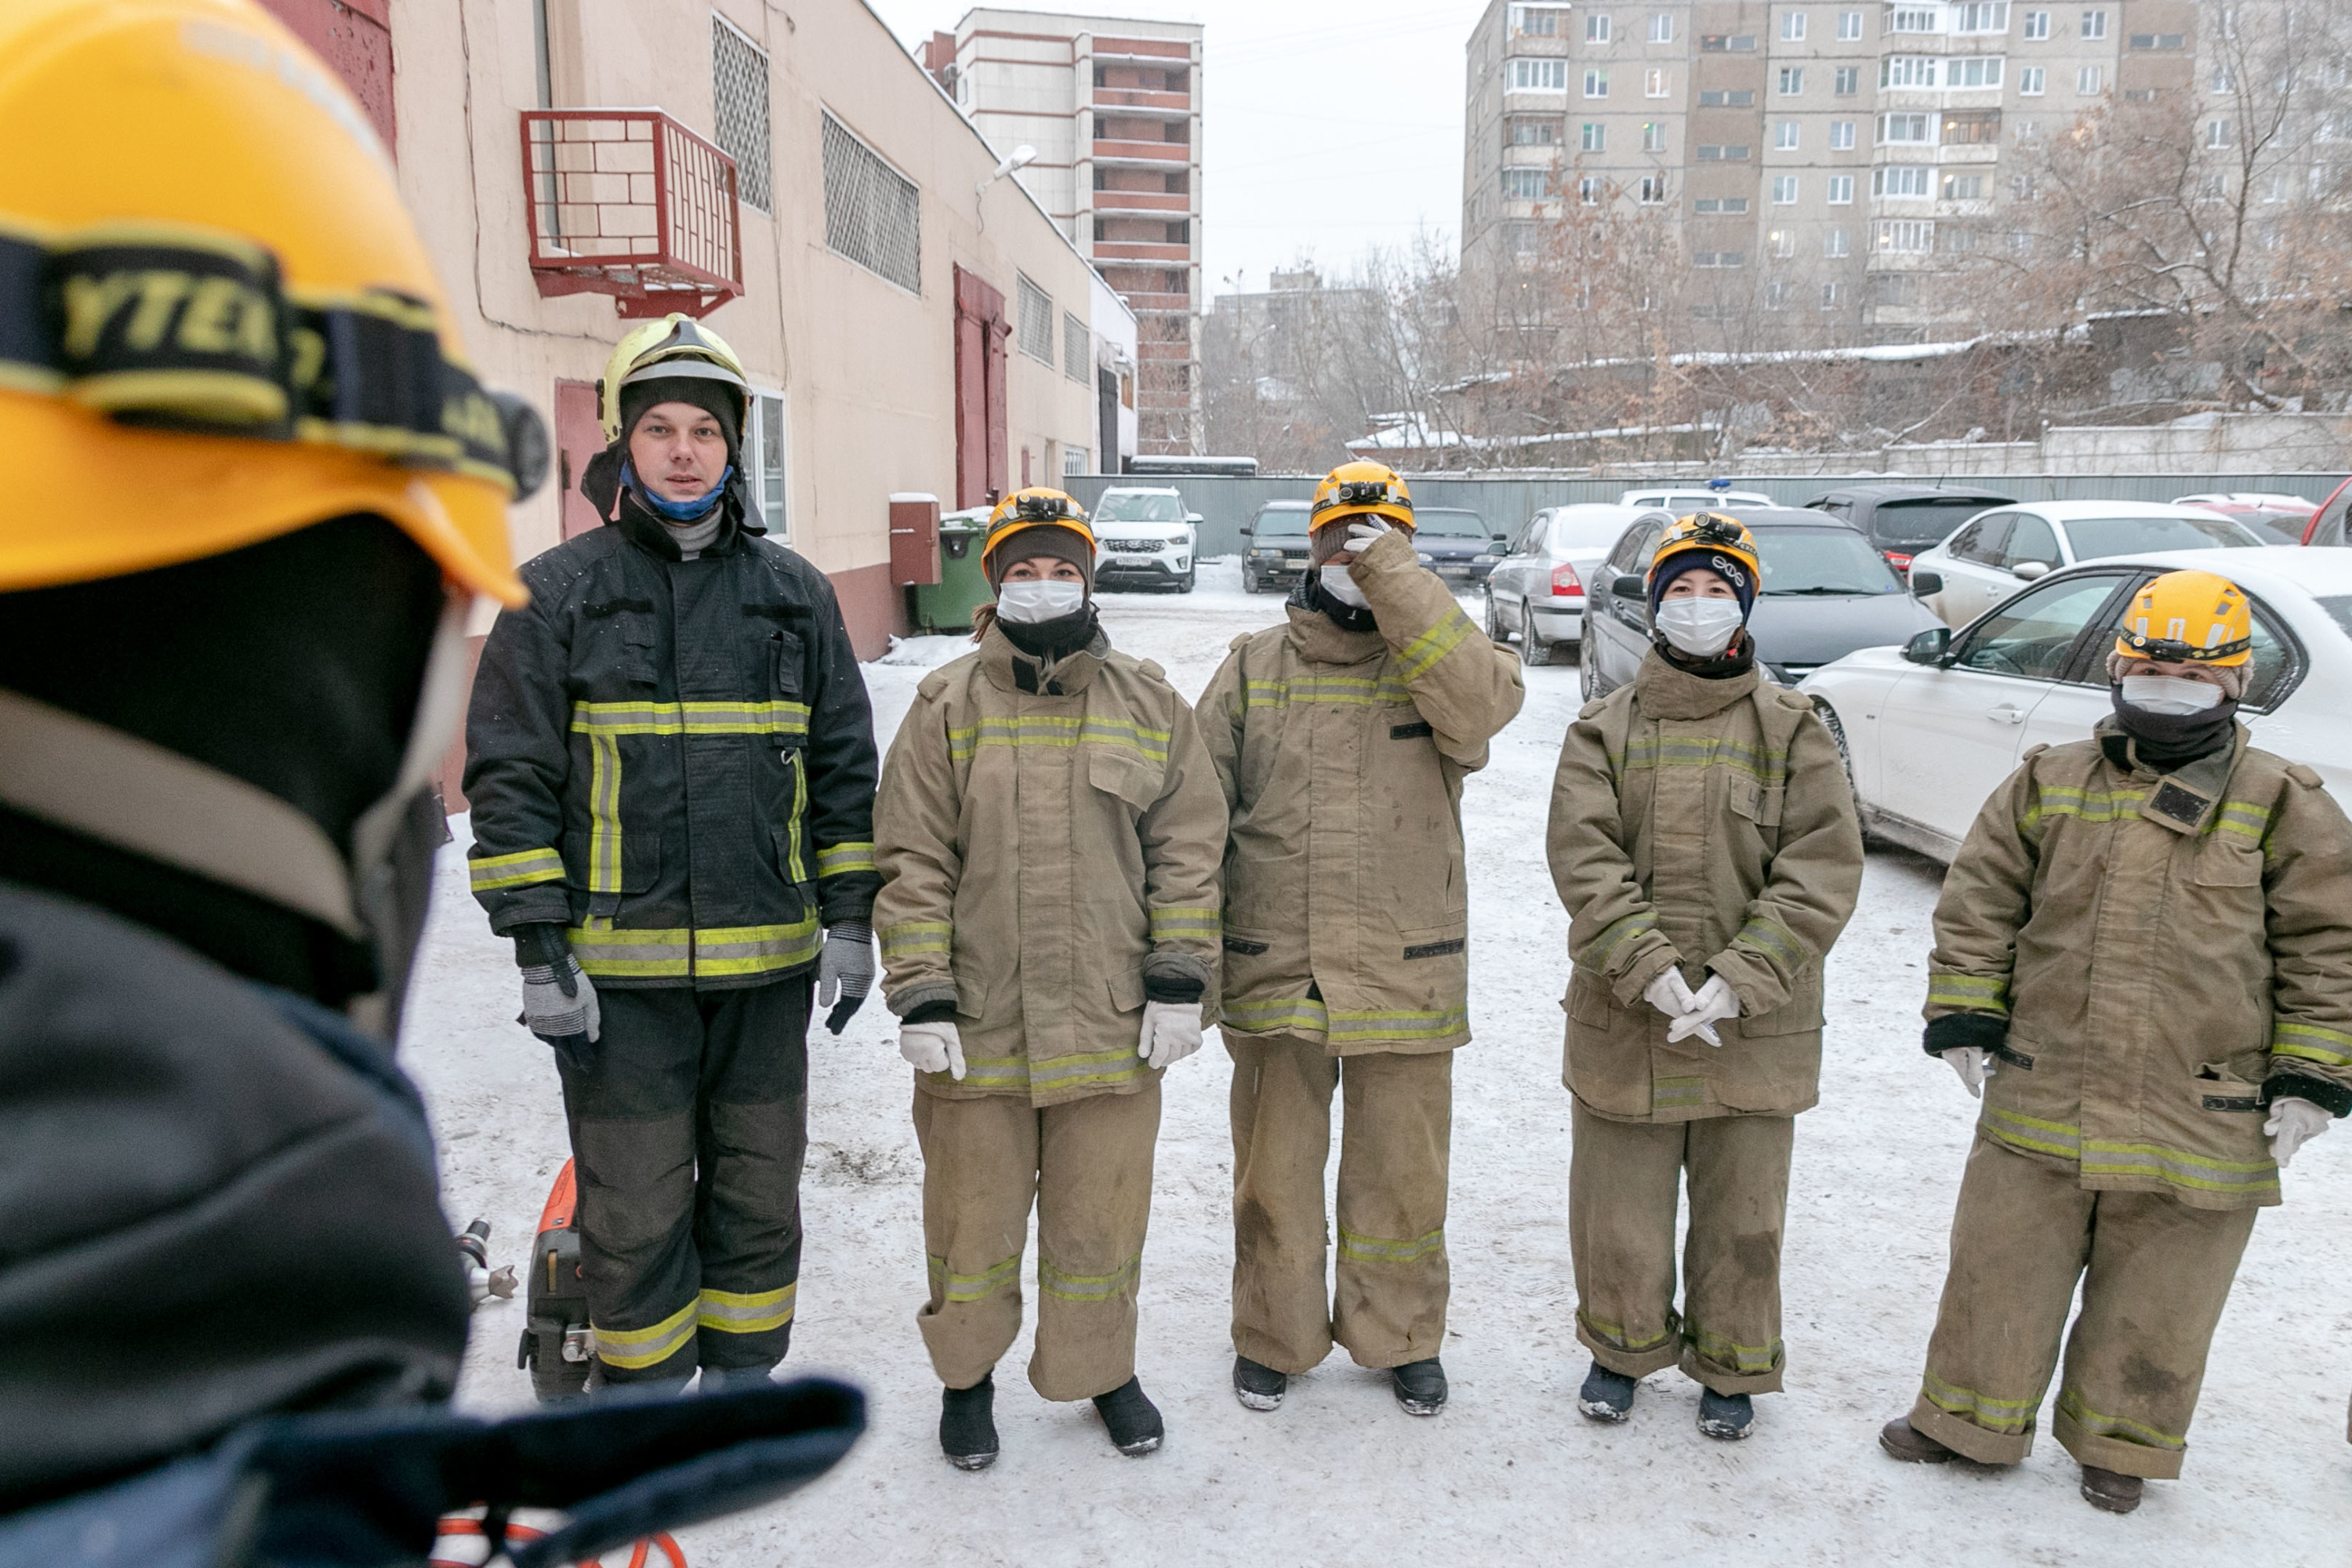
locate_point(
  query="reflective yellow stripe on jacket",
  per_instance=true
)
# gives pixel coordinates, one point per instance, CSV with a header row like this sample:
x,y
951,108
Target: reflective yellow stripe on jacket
x,y
606,723
520,869
676,951
1042,729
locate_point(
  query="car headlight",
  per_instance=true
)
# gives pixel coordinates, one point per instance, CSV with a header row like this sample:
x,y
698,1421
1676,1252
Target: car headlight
x,y
1484,560
1277,554
1425,557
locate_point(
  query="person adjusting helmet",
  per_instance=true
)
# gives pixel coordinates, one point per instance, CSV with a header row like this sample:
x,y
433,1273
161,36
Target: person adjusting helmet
x,y
1342,738
671,764
2141,966
1703,841
1049,831
228,672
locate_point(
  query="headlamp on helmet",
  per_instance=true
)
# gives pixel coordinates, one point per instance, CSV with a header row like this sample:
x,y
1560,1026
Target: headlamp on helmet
x,y
1364,492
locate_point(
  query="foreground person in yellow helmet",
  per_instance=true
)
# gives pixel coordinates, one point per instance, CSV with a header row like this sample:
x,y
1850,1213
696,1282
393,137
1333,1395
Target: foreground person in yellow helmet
x,y
671,763
1342,738
1703,838
2143,964
227,668
1049,829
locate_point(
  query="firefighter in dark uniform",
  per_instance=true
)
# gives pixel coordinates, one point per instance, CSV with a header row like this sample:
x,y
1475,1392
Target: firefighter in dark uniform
x,y
671,764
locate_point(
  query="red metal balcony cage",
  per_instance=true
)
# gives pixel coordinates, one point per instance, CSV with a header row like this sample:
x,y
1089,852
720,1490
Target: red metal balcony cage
x,y
628,202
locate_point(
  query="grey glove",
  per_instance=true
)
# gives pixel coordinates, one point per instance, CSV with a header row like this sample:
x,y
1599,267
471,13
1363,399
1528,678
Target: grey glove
x,y
558,1003
844,970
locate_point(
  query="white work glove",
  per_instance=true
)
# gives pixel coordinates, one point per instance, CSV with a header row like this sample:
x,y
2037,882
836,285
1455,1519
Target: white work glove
x,y
1714,1002
932,1047
1362,531
2293,1123
1973,1066
1668,995
1171,1031
844,970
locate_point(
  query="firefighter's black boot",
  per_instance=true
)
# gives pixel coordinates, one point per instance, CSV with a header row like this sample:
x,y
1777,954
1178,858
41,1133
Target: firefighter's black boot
x,y
968,1425
1132,1421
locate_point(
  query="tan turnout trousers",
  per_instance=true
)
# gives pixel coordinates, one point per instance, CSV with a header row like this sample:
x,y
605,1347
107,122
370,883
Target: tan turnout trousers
x,y
2155,1274
1086,1166
1389,1306
1622,1185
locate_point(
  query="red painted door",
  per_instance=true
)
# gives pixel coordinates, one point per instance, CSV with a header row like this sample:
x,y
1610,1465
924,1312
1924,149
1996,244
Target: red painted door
x,y
578,437
981,332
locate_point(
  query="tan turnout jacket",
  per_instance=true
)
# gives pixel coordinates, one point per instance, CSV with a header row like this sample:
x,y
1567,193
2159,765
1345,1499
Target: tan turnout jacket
x,y
1044,837
1342,755
2163,946
1707,824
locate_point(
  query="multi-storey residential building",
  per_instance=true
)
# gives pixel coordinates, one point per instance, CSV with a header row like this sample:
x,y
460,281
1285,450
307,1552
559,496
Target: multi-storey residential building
x,y
1112,107
1830,156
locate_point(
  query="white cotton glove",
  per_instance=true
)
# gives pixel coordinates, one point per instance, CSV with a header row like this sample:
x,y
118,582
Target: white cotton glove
x,y
1973,1066
1668,995
1171,1031
932,1047
1362,531
1713,1003
2293,1122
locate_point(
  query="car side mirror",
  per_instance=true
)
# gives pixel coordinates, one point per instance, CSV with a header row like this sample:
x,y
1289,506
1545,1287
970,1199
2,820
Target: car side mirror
x,y
1628,586
1248,530
1924,583
2027,571
1929,647
1194,517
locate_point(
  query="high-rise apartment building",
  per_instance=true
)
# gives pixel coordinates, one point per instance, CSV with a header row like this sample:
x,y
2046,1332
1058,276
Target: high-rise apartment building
x,y
1853,147
1113,108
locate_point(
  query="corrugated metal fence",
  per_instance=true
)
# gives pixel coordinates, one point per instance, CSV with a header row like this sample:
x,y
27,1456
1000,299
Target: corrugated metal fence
x,y
1224,504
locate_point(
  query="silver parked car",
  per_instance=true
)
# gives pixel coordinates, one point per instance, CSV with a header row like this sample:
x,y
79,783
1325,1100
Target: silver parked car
x,y
1537,591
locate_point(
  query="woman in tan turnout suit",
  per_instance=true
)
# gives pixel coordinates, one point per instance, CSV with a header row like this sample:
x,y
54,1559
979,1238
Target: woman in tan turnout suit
x,y
1048,831
1703,837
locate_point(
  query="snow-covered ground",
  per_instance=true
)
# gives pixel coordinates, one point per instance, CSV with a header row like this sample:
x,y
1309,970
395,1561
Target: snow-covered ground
x,y
1509,1473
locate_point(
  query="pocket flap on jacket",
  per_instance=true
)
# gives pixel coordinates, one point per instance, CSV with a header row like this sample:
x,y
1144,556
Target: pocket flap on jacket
x,y
1121,773
1756,800
1588,1001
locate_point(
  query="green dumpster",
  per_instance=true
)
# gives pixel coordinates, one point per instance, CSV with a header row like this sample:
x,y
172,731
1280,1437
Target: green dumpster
x,y
947,604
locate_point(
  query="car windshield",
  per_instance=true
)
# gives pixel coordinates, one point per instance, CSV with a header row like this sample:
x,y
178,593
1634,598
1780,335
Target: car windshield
x,y
1139,506
1920,523
2275,527
2339,610
2097,537
1822,561
1280,522
1441,523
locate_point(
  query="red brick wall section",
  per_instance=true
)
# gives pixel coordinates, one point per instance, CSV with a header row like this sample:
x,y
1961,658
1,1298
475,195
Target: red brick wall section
x,y
354,37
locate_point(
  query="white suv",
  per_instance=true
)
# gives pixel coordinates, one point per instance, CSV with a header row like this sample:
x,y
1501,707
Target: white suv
x,y
1144,538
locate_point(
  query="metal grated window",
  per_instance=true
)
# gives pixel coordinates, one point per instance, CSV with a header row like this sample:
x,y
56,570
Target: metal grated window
x,y
873,214
1036,320
1077,350
738,92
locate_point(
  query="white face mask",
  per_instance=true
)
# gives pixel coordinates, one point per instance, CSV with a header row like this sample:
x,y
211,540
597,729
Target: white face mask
x,y
1342,587
2173,694
1039,600
1700,628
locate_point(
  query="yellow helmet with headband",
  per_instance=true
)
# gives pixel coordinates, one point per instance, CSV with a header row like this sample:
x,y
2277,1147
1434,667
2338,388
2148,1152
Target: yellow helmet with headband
x,y
1361,489
1033,507
2189,617
215,311
675,348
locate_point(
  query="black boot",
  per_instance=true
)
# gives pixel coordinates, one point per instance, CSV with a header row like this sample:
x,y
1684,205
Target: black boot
x,y
2109,1491
1726,1416
1132,1420
968,1425
1911,1446
1257,1385
1607,1395
1420,1386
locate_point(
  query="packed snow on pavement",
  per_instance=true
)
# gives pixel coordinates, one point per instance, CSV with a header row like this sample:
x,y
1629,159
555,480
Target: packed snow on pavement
x,y
1509,1473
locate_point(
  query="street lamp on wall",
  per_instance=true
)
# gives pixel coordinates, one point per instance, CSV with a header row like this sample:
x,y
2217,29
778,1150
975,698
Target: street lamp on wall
x,y
1018,158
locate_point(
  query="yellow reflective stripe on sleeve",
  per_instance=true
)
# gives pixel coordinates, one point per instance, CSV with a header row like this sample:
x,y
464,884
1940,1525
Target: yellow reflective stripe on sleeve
x,y
2312,1042
1615,934
633,1350
1390,1024
1748,1360
722,951
491,872
1434,644
1379,1249
966,1288
1177,921
835,859
603,814
1299,1014
690,718
2010,1417
634,955
2242,818
1984,993
2032,1132
914,936
1053,1281
1040,730
2178,1168
2071,1405
745,1311
1775,940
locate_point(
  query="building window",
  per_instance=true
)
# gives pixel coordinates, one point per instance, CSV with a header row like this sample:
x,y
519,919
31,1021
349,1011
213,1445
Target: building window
x,y
1775,295
1723,151
873,214
2030,80
1971,126
1840,190
1903,181
1735,43
1908,70
1656,82
1905,129
1914,20
1849,27
739,94
1981,16
1074,462
1964,187
2160,41
1537,21
1792,80
1078,353
1651,190
1957,239
2222,81
1539,76
1727,98
1840,135
1972,71
2216,133
1712,258
1784,136
1904,236
2089,80
1783,242
1596,28
1711,207
2029,130
763,461
1846,80
2094,24
2037,24
1784,190
1523,185
1595,139
1654,137
1587,190
1596,81
1834,244
1792,25
1662,28
1036,323
1832,294
1534,132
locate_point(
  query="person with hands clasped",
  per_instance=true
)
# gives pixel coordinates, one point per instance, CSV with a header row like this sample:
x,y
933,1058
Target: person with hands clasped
x,y
2142,965
1704,840
1049,829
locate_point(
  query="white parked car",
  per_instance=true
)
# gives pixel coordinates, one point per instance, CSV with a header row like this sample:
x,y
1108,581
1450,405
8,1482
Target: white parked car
x,y
1538,590
1931,729
1988,556
1683,500
1144,539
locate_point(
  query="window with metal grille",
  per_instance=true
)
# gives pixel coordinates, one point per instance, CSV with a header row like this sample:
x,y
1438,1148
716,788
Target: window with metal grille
x,y
1036,320
739,94
873,214
1078,353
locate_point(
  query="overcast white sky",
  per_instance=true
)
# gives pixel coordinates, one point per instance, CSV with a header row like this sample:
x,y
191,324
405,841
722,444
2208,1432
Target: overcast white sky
x,y
1321,136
